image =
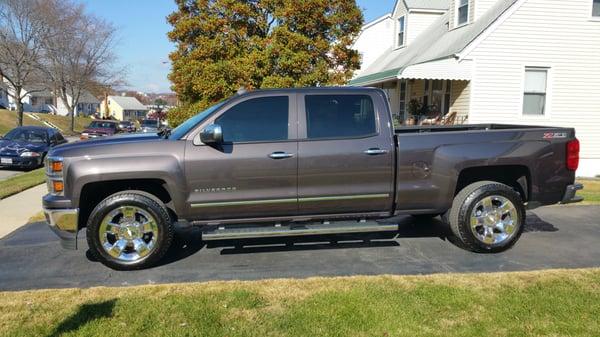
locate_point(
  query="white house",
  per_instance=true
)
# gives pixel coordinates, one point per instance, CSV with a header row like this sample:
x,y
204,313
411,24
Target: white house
x,y
36,100
496,61
87,105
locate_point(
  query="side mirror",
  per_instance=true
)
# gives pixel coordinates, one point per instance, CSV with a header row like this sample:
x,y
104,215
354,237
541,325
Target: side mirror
x,y
212,134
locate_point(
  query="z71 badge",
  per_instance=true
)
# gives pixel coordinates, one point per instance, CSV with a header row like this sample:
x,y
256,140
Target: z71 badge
x,y
553,135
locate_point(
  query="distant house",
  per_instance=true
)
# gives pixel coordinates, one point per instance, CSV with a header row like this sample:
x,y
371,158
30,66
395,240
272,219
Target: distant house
x,y
87,105
123,108
36,100
491,61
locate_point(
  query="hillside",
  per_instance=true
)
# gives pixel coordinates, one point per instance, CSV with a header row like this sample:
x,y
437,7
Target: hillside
x,y
8,121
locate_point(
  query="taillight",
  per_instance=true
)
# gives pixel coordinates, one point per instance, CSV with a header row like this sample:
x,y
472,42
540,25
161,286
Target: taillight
x,y
573,155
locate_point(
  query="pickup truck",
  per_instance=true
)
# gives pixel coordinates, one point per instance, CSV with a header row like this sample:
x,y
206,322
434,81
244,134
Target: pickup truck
x,y
295,162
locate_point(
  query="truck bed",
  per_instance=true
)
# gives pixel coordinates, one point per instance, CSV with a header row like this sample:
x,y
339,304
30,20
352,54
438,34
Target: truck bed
x,y
435,161
464,127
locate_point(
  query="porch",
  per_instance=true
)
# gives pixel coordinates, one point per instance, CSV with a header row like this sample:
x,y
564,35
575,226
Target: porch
x,y
427,101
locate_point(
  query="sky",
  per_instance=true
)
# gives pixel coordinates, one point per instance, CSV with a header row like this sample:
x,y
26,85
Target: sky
x,y
143,48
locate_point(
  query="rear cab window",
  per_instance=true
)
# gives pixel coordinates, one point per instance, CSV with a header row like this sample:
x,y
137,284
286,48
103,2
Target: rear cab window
x,y
339,116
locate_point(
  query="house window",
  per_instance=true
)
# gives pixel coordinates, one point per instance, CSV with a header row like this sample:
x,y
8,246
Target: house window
x,y
402,102
596,8
437,94
447,96
462,12
401,29
534,100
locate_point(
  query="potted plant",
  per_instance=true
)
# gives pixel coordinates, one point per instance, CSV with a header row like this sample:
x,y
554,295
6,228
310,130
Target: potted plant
x,y
415,110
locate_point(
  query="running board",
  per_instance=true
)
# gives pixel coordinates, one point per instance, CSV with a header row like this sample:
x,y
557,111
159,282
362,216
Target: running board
x,y
338,227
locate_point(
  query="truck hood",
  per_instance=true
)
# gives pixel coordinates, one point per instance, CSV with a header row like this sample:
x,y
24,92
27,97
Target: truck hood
x,y
104,145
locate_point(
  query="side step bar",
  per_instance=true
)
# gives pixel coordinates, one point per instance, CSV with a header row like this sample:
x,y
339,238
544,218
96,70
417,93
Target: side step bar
x,y
259,231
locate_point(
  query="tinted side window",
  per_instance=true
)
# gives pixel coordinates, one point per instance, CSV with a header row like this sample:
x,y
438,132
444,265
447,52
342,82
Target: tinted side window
x,y
59,137
258,119
335,116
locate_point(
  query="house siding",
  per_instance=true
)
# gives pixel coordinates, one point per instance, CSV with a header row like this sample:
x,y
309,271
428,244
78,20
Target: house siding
x,y
417,23
373,40
549,33
481,7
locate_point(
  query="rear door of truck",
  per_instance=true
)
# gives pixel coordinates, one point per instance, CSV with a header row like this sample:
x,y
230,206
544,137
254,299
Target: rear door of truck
x,y
345,153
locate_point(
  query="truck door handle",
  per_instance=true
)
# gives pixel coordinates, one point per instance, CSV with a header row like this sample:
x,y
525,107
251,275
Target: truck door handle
x,y
280,155
375,152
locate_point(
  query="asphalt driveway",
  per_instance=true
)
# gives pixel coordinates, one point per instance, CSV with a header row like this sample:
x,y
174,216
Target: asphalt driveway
x,y
556,237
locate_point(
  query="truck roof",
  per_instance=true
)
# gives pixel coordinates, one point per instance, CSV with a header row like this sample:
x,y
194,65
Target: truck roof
x,y
310,90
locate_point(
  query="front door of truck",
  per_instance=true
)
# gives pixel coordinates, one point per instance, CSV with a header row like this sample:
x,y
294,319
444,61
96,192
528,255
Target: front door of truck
x,y
254,172
346,154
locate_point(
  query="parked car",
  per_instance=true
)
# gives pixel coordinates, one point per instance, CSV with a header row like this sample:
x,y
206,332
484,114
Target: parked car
x,y
292,162
100,128
26,147
150,125
127,126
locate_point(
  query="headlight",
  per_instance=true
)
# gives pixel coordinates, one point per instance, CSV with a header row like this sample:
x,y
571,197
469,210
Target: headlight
x,y
85,134
55,165
30,154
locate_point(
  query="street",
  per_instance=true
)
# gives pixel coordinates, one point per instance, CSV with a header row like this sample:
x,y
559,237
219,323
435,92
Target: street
x,y
555,237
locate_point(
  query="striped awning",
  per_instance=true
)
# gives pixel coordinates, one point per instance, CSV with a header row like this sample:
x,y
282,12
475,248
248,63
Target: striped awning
x,y
445,69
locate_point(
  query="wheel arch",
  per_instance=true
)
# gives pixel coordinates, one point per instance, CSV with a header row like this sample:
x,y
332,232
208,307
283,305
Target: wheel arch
x,y
516,176
93,193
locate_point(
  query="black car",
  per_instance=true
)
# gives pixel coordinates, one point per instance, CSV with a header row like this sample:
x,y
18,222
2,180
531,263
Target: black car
x,y
26,146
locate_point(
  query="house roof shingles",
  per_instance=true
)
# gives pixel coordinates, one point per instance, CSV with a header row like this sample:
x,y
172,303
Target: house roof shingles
x,y
128,103
435,43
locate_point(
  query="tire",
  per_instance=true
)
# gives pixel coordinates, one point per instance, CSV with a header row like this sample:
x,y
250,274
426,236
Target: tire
x,y
134,227
483,201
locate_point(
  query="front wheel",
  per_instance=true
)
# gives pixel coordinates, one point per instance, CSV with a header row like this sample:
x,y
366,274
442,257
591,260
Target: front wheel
x,y
487,217
129,230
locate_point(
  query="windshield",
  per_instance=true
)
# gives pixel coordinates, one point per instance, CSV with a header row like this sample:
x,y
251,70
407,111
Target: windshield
x,y
103,125
27,136
150,122
184,128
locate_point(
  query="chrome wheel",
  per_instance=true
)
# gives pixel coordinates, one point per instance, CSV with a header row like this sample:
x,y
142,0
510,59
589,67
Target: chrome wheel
x,y
128,233
494,220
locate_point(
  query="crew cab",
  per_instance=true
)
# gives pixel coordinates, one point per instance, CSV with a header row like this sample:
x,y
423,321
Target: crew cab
x,y
290,162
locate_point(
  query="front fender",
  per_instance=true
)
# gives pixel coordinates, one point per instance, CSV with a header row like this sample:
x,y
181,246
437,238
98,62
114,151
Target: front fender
x,y
162,167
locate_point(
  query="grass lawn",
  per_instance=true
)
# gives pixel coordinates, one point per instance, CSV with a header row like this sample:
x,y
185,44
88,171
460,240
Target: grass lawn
x,y
21,182
8,121
548,303
591,191
64,122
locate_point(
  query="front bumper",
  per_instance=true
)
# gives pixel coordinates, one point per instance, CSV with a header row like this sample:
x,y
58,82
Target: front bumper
x,y
570,196
23,162
64,222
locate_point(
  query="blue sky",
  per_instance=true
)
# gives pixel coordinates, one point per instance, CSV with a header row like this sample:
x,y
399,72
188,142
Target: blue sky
x,y
142,41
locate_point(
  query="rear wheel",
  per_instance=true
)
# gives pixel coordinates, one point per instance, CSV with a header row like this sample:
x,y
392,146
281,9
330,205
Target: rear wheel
x,y
129,230
487,217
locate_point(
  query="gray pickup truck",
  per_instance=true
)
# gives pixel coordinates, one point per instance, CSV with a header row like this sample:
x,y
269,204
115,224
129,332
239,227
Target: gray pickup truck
x,y
295,162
